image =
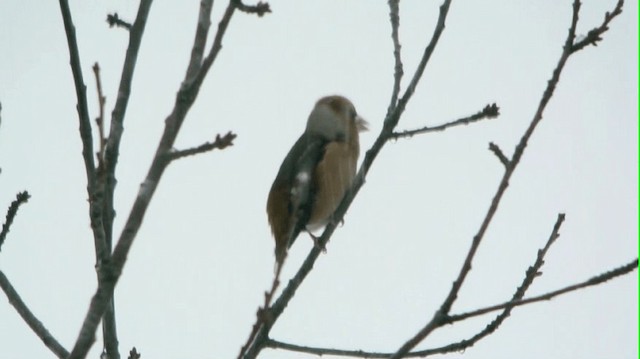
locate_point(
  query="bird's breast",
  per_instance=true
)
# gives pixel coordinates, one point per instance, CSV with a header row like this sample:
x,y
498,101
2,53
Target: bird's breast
x,y
333,177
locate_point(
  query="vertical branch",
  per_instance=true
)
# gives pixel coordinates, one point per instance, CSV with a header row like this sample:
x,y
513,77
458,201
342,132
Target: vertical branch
x,y
100,119
184,99
394,17
95,197
110,158
200,41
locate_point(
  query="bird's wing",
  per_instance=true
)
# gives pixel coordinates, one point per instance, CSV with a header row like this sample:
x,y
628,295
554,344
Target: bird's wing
x,y
291,197
307,153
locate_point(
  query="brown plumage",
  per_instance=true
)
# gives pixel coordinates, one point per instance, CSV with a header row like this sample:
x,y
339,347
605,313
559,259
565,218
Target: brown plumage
x,y
316,173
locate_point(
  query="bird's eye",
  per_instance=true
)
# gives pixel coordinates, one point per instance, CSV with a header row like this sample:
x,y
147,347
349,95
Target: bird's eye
x,y
352,113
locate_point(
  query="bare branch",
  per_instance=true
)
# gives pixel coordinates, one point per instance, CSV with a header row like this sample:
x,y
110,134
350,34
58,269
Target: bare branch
x,y
488,112
21,198
394,17
115,20
259,9
530,276
200,41
440,316
101,195
95,198
390,123
220,143
100,119
262,315
498,152
110,272
31,320
595,35
595,280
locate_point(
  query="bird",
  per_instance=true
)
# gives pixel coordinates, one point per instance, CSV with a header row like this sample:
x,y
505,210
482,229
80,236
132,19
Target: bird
x,y
316,173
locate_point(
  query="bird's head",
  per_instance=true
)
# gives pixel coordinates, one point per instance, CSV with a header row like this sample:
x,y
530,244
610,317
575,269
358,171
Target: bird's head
x,y
334,118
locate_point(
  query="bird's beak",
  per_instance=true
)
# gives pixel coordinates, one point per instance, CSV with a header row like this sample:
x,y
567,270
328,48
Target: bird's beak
x,y
361,124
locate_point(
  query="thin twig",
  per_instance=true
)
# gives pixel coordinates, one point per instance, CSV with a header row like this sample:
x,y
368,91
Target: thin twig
x,y
488,112
221,142
21,198
595,35
595,280
31,320
133,354
115,20
259,9
498,152
263,318
100,119
440,316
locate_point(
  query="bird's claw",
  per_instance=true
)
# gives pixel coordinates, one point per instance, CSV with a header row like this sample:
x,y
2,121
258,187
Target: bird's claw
x,y
316,242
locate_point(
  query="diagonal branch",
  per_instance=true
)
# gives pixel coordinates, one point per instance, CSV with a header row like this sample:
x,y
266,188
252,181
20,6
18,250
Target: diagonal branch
x,y
488,112
31,320
390,123
593,281
21,198
440,316
531,275
596,280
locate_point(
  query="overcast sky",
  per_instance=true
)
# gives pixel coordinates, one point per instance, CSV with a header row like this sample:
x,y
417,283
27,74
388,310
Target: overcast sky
x,y
204,254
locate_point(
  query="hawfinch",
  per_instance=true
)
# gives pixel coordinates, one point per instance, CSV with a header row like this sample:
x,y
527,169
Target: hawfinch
x,y
317,172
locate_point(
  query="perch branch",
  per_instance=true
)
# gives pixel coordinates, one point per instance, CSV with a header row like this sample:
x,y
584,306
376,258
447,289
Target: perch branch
x,y
531,274
390,123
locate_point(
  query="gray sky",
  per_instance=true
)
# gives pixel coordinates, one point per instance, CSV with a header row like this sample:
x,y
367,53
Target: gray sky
x,y
204,255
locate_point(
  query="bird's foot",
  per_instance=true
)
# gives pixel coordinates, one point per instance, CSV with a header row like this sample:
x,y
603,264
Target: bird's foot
x,y
316,242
